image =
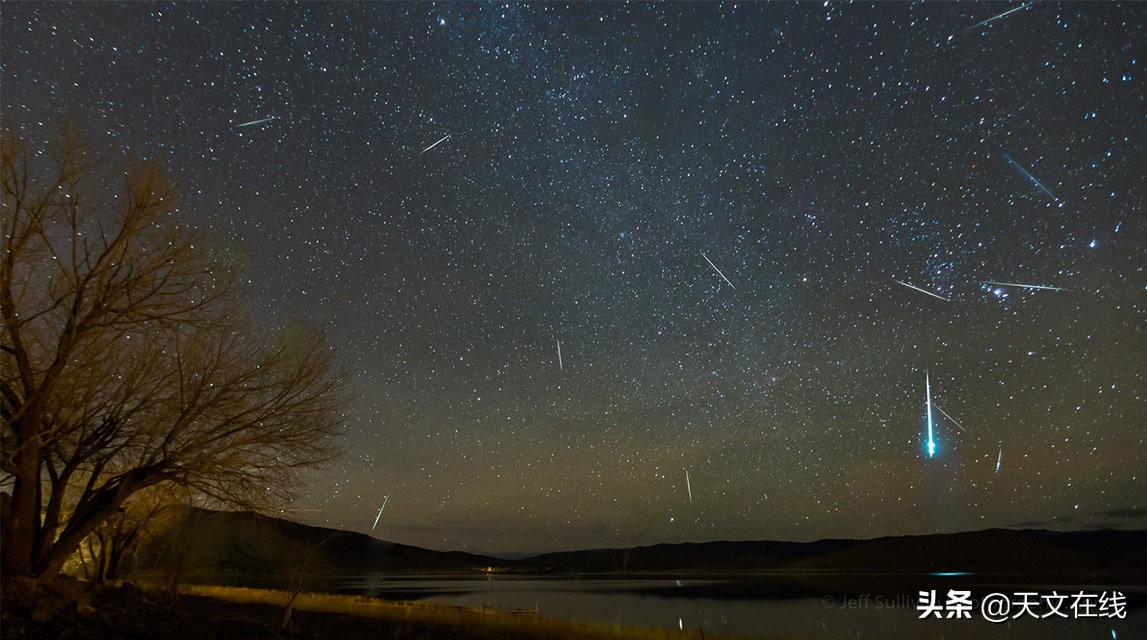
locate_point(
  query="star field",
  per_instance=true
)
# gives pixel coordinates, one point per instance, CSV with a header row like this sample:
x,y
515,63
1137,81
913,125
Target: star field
x,y
597,155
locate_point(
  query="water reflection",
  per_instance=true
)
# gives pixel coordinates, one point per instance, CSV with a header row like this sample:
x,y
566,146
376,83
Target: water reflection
x,y
814,605
789,605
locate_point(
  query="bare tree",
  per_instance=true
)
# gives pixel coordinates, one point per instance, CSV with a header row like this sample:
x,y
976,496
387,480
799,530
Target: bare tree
x,y
298,576
127,361
110,549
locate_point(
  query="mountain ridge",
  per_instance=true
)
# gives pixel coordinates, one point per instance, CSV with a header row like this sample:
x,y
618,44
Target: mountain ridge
x,y
209,543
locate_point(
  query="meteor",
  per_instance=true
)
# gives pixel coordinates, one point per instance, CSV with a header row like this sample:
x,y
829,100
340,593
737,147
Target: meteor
x,y
436,143
934,295
1028,174
716,269
957,422
999,458
384,501
560,367
991,19
928,395
994,18
1025,286
689,486
247,124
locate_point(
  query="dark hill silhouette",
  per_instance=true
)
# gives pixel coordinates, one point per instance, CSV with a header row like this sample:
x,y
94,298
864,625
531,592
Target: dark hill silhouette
x,y
212,543
991,551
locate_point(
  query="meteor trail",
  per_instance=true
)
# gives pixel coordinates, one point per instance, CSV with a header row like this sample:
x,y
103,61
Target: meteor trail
x,y
934,295
716,269
436,143
1028,174
1025,286
247,124
941,410
928,395
384,501
560,367
997,17
999,457
991,19
689,486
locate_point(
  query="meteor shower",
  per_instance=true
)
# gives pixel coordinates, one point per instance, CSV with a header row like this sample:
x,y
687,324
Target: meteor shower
x,y
574,320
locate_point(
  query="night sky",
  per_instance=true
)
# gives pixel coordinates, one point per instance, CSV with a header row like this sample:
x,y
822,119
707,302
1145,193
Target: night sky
x,y
450,190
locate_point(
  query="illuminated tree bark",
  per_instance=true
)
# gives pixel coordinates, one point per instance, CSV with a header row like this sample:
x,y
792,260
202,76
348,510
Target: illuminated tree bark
x,y
127,361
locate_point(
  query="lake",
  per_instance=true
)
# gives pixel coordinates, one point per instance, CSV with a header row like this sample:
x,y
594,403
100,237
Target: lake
x,y
774,605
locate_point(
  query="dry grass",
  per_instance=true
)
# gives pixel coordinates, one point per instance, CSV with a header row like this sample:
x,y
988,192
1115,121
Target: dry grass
x,y
481,622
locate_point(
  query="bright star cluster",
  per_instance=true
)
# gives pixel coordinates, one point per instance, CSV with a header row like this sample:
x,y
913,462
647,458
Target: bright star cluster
x,y
712,207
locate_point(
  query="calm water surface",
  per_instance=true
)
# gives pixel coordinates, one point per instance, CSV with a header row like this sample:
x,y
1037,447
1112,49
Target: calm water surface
x,y
811,606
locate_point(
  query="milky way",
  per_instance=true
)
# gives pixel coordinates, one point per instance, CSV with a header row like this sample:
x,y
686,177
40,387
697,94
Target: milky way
x,y
450,191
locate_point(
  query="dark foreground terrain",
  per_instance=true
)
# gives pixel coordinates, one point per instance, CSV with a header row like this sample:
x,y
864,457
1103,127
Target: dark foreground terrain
x,y
69,612
130,613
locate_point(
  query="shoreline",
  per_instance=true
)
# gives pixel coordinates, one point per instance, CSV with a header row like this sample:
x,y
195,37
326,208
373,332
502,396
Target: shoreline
x,y
243,613
485,619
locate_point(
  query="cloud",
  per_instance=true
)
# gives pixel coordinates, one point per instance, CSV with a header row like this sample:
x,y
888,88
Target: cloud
x,y
1127,513
1109,519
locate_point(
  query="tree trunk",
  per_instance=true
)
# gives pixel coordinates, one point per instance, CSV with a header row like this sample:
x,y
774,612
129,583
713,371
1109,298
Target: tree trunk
x,y
92,510
20,514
